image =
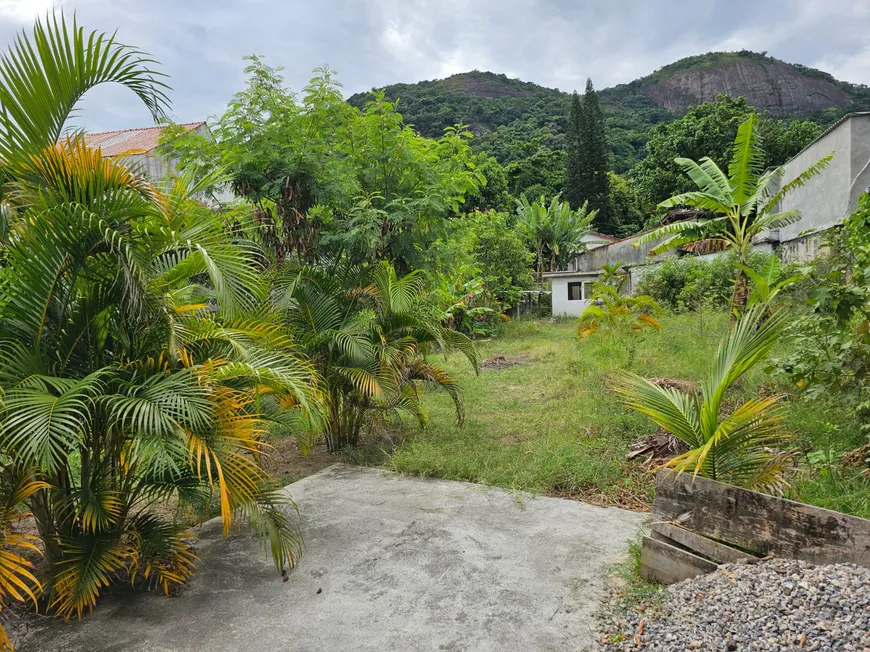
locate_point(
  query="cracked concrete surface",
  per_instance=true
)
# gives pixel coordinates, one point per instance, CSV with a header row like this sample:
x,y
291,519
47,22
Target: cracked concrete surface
x,y
392,563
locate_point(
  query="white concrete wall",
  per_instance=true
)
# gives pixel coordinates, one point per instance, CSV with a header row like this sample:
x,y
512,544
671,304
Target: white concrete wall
x,y
826,199
860,136
562,307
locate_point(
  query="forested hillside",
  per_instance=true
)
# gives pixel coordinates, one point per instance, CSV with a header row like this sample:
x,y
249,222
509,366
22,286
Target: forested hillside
x,y
511,118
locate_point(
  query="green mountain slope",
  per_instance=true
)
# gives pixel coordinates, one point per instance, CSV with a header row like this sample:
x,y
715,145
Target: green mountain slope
x,y
506,114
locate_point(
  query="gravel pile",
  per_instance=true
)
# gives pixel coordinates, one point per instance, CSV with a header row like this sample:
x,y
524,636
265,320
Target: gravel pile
x,y
773,605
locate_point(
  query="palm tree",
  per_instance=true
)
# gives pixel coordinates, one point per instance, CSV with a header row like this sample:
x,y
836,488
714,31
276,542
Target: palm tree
x,y
743,204
368,333
741,447
554,232
133,344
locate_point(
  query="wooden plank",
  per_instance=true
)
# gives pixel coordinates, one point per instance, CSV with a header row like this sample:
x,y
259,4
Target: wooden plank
x,y
760,523
666,563
697,543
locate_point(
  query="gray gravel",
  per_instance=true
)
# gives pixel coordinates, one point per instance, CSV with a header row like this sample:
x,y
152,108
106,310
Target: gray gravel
x,y
773,605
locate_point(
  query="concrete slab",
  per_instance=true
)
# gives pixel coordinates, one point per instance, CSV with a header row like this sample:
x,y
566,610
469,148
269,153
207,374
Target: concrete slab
x,y
392,563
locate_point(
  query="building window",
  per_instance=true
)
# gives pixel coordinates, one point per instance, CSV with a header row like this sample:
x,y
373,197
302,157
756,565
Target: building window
x,y
588,291
575,291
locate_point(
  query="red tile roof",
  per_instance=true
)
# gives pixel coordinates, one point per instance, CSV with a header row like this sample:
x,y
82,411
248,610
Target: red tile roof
x,y
113,143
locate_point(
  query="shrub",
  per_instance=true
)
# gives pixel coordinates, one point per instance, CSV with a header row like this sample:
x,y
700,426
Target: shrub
x,y
689,283
831,345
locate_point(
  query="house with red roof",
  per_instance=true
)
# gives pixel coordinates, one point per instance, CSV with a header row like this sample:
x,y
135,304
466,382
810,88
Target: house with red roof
x,y
138,147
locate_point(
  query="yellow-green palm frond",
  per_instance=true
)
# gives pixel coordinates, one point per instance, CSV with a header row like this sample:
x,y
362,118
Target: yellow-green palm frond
x,y
17,579
46,418
274,516
71,172
668,408
160,552
422,371
98,506
646,321
89,563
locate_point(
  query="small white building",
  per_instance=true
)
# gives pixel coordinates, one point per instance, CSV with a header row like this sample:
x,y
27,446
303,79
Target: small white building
x,y
571,290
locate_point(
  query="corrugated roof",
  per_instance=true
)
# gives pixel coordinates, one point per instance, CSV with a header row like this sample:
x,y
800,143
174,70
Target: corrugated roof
x,y
113,143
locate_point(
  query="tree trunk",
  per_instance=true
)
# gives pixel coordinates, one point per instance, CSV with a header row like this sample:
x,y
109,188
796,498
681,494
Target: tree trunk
x,y
740,297
39,505
342,425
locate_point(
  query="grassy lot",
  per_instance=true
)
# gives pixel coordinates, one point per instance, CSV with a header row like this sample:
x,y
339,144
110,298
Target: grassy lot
x,y
547,423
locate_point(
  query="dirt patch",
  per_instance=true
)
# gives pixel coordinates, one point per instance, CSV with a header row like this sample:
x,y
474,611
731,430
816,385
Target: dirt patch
x,y
657,449
499,361
858,458
675,383
285,462
633,499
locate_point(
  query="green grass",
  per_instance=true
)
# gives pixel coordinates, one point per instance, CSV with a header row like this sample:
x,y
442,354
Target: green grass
x,y
549,425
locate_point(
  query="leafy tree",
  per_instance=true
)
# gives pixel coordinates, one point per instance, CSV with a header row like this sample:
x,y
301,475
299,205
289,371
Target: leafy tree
x,y
331,181
132,343
625,212
784,139
368,334
553,231
541,173
495,193
709,129
742,202
478,270
691,283
502,256
742,446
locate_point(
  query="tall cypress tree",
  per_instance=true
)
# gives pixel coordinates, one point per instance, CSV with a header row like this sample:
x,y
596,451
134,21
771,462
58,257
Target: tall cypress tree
x,y
593,159
574,191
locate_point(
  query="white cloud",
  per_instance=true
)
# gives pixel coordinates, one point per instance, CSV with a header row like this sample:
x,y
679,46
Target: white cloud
x,y
851,67
370,43
25,10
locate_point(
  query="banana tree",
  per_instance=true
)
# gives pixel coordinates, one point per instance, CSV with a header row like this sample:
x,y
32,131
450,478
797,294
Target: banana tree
x,y
743,203
554,232
743,446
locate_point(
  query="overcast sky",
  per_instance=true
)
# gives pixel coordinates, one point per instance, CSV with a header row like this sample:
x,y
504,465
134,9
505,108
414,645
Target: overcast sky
x,y
559,43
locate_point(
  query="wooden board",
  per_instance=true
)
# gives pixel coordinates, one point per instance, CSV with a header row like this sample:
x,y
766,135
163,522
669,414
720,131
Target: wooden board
x,y
760,523
697,543
666,563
